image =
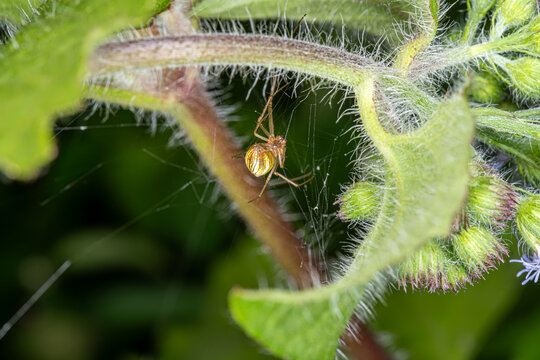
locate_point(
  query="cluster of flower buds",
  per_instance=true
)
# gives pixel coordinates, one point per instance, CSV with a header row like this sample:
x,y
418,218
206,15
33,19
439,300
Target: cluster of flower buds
x,y
453,262
478,249
513,57
463,257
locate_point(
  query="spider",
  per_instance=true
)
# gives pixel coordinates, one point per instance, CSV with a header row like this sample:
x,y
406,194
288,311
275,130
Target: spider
x,y
261,157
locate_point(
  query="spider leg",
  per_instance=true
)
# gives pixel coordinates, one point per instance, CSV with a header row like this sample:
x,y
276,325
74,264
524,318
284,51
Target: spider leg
x,y
268,108
260,125
281,182
270,118
292,182
266,183
270,99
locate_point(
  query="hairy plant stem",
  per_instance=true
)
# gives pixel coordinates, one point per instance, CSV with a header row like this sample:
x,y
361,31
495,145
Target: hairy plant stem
x,y
254,50
226,49
292,55
366,106
414,46
266,51
465,53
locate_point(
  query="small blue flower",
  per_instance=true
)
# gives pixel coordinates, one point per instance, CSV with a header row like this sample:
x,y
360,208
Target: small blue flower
x,y
532,267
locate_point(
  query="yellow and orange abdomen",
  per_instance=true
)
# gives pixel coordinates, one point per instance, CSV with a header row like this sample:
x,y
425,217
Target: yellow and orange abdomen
x,y
259,160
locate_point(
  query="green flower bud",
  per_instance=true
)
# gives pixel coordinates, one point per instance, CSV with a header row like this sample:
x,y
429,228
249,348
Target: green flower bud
x,y
528,221
431,269
514,12
524,73
360,201
485,88
478,250
456,276
491,200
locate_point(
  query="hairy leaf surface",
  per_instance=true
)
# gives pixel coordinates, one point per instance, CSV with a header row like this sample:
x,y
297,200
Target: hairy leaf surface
x,y
524,150
42,72
520,123
378,17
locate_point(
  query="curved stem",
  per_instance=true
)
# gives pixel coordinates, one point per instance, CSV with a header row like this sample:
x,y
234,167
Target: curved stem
x,y
226,49
366,106
254,50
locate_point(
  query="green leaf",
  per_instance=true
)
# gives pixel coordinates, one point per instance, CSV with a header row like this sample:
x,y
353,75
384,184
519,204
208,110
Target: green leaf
x,y
518,123
524,150
516,133
42,72
426,183
295,325
377,17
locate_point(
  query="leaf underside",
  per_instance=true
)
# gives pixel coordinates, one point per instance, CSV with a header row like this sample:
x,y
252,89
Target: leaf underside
x,y
517,134
426,183
524,150
377,17
42,72
521,123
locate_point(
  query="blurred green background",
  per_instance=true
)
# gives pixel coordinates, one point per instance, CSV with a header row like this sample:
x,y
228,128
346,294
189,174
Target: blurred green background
x,y
155,246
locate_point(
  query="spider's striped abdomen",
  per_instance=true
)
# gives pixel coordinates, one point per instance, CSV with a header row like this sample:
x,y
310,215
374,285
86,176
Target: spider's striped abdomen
x,y
259,160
